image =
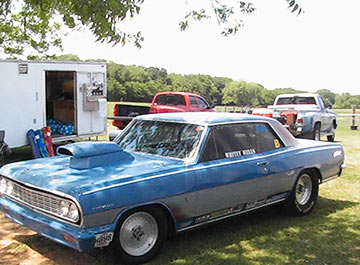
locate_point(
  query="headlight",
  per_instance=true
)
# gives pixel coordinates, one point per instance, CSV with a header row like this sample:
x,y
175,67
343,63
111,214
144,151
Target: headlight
x,y
73,212
69,210
3,185
10,188
6,187
64,208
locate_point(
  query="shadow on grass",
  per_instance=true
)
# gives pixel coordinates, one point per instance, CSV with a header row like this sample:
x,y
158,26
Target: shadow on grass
x,y
264,237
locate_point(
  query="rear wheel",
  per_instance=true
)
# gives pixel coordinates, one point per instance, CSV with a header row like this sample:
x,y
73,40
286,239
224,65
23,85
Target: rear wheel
x,y
316,132
140,235
304,195
331,138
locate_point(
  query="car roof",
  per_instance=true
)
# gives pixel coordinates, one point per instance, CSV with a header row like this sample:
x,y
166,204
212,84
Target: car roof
x,y
203,118
176,93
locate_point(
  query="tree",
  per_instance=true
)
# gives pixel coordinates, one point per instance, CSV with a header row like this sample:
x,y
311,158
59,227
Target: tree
x,y
35,24
327,95
235,93
346,101
228,14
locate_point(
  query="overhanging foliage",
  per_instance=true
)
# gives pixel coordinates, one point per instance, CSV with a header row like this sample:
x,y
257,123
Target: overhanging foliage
x,y
35,25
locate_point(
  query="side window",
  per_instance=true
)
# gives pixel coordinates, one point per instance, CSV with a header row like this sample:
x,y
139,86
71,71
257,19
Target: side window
x,y
210,152
235,140
193,102
202,103
266,138
322,103
228,141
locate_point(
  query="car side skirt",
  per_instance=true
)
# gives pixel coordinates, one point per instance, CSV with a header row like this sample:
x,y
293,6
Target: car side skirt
x,y
232,211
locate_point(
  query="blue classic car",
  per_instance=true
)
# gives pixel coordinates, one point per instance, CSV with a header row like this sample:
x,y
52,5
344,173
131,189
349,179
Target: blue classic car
x,y
166,173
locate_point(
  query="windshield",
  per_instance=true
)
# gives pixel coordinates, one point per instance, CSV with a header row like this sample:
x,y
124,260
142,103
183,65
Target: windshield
x,y
295,100
177,140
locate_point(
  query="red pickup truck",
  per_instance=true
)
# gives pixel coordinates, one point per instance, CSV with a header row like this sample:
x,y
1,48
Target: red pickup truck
x,y
162,102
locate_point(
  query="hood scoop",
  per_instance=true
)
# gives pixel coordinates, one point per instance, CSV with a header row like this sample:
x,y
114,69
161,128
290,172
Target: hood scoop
x,y
86,155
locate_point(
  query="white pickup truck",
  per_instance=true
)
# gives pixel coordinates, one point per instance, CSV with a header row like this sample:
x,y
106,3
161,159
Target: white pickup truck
x,y
305,115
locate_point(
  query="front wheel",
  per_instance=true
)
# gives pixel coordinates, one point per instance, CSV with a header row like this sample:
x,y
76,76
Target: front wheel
x,y
304,195
140,235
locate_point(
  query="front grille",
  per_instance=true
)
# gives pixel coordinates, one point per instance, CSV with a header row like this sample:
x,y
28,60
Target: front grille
x,y
38,200
65,208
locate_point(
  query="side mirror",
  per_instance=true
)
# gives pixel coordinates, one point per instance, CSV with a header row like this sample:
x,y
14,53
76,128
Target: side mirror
x,y
211,106
328,106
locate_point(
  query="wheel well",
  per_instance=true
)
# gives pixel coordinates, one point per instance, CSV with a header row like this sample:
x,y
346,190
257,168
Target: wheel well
x,y
334,123
318,122
317,173
169,218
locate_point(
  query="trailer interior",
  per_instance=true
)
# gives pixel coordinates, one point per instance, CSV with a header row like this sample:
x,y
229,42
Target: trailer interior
x,y
60,103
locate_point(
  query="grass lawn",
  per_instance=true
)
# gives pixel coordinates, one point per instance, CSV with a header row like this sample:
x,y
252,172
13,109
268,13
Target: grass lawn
x,y
330,235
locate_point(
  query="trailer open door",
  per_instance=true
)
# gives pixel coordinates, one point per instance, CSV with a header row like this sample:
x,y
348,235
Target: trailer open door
x,y
91,103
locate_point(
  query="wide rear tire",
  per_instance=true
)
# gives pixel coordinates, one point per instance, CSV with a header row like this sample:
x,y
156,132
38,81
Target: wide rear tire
x,y
304,195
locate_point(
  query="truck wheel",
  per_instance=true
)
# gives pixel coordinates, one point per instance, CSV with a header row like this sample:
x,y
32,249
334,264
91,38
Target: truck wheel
x,y
331,138
140,234
303,197
316,132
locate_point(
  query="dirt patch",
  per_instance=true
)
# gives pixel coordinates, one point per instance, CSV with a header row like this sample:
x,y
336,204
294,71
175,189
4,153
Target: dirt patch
x,y
21,246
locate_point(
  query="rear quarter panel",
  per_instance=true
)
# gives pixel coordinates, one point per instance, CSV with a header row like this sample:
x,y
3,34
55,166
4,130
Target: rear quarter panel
x,y
307,154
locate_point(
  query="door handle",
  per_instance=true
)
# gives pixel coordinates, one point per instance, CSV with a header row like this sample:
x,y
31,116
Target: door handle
x,y
265,163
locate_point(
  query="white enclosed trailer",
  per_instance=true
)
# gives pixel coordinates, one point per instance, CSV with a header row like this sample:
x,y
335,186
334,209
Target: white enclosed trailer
x,y
33,93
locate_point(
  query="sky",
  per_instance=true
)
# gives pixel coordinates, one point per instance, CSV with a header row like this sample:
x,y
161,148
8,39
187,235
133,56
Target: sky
x,y
319,49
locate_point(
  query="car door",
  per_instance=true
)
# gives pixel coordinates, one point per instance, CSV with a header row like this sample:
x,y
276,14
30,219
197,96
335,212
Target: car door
x,y
231,172
193,103
203,105
325,116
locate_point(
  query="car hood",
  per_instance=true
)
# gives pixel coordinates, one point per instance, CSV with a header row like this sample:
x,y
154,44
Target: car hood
x,y
55,174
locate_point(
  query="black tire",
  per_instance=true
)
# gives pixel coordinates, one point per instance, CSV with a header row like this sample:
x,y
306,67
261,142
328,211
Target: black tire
x,y
2,160
331,138
316,132
303,197
130,232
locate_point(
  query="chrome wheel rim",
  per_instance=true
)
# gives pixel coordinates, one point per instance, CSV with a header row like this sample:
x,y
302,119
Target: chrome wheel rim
x,y
303,189
138,234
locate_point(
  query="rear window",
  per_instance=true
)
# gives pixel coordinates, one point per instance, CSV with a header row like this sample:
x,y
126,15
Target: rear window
x,y
295,100
175,100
